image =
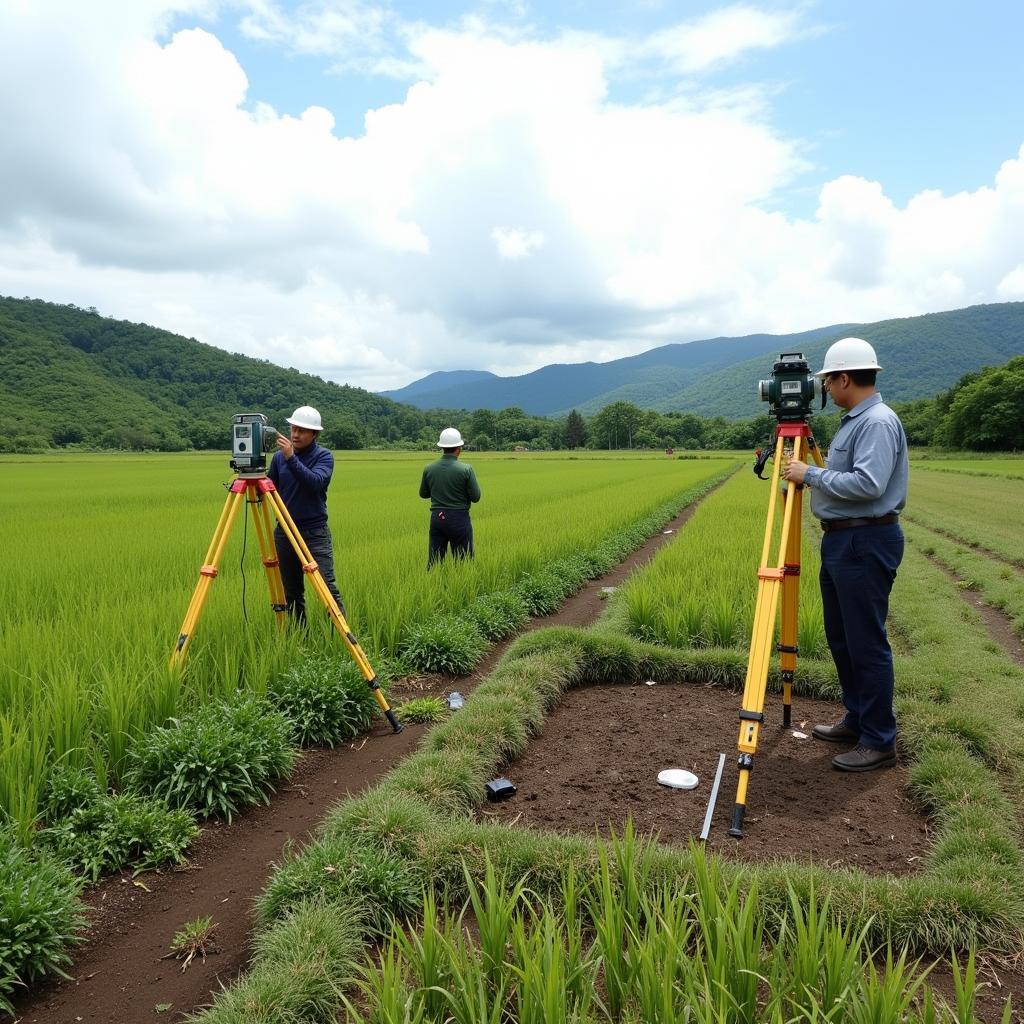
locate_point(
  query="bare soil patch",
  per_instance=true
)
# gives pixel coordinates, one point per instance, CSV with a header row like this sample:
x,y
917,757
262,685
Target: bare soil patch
x,y
596,764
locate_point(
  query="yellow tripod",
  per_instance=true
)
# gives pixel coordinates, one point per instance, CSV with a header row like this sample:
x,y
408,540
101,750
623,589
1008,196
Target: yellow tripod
x,y
782,578
258,490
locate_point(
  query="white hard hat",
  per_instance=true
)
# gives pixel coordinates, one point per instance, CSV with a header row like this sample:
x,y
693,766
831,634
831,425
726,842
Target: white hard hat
x,y
450,438
305,416
849,354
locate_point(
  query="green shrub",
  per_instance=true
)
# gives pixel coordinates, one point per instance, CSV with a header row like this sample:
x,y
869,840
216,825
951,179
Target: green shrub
x,y
340,870
326,701
67,790
451,645
216,760
120,830
40,915
498,615
542,591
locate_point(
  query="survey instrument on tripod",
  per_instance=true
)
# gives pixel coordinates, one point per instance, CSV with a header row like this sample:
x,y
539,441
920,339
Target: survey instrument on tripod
x,y
790,393
258,491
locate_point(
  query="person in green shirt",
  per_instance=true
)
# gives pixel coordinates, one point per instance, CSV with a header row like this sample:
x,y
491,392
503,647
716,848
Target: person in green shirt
x,y
451,487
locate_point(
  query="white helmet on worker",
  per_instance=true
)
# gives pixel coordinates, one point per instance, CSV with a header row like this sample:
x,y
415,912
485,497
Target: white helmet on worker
x,y
849,354
450,438
307,417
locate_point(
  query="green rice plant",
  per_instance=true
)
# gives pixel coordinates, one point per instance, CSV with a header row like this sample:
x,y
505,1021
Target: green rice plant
x,y
965,988
423,710
385,989
427,952
344,872
40,912
885,994
495,904
216,760
730,937
120,830
449,645
545,990
816,959
325,699
722,622
643,613
662,955
22,773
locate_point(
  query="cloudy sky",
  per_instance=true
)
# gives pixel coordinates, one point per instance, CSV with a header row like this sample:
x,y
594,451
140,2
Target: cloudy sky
x,y
372,191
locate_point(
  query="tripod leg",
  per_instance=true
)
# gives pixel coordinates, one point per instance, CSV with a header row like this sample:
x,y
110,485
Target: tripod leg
x,y
309,566
769,586
268,551
788,632
208,571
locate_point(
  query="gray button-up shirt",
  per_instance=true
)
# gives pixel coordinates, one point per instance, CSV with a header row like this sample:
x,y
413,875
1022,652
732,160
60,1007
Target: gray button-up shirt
x,y
867,468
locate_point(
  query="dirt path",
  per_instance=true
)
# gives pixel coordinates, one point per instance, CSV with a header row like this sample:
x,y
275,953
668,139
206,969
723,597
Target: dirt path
x,y
119,976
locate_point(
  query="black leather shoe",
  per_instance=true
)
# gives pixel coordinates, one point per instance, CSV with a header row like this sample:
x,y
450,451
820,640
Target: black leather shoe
x,y
838,733
863,759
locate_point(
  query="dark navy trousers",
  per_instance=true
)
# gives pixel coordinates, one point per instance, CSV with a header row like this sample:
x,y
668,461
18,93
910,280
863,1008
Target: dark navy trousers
x,y
450,528
321,547
858,567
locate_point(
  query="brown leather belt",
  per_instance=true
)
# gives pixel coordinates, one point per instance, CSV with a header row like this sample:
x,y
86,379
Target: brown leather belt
x,y
828,525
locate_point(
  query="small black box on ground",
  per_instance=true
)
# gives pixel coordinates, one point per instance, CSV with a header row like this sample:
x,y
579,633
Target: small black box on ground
x,y
499,789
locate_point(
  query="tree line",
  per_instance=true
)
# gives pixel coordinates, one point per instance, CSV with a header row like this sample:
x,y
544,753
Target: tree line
x,y
70,378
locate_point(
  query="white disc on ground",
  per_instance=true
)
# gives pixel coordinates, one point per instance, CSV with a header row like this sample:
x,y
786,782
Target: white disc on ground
x,y
677,778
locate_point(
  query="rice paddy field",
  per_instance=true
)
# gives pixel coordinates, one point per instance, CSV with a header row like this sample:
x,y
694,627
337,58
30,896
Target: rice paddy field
x,y
101,554
408,906
500,922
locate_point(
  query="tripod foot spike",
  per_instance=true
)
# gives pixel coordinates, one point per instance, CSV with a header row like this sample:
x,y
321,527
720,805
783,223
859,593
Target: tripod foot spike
x,y
736,830
396,725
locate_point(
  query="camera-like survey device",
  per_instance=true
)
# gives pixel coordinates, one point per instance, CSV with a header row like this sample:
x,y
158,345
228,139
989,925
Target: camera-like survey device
x,y
792,388
251,438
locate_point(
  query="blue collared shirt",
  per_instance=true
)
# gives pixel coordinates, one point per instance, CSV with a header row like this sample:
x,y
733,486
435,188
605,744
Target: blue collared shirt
x,y
867,467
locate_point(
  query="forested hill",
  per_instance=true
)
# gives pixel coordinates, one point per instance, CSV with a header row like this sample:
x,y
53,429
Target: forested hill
x,y
69,375
922,356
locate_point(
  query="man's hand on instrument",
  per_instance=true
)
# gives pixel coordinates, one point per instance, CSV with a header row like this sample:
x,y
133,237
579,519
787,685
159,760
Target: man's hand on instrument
x,y
284,444
794,471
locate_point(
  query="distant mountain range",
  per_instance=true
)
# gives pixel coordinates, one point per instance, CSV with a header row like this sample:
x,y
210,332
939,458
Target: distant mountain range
x,y
921,356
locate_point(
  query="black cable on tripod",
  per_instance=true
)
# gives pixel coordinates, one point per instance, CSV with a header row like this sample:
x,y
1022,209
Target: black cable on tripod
x,y
241,561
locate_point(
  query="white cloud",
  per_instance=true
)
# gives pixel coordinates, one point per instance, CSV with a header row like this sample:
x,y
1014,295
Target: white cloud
x,y
505,214
721,36
515,244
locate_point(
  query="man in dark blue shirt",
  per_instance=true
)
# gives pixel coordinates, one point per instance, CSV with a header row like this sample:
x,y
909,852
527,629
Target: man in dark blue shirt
x,y
301,470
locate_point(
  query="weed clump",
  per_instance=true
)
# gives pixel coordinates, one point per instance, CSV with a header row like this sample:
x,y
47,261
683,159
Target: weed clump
x,y
326,701
40,914
423,710
451,645
118,830
498,615
216,760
